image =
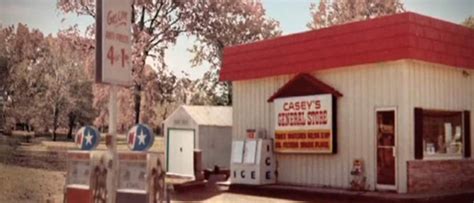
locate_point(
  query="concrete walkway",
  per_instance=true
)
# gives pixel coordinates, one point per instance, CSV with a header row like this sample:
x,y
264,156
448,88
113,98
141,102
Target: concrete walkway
x,y
298,193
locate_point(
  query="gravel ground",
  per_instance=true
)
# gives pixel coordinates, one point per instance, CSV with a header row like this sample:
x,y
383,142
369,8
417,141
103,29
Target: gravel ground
x,y
23,184
35,172
30,173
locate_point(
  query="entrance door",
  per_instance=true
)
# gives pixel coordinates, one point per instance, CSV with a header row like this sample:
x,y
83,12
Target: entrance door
x,y
386,148
180,144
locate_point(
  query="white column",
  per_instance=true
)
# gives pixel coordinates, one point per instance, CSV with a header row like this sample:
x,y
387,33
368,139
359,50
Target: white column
x,y
112,148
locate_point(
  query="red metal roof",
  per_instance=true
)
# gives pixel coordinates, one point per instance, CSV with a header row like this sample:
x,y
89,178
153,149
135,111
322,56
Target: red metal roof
x,y
401,36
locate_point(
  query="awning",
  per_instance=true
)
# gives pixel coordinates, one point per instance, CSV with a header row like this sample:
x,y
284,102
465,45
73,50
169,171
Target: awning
x,y
304,84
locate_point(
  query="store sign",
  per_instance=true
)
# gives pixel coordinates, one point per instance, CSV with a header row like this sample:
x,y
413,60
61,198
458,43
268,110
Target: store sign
x,y
304,124
114,64
87,138
140,138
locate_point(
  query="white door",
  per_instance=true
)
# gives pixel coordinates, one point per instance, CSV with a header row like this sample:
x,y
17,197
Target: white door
x,y
180,144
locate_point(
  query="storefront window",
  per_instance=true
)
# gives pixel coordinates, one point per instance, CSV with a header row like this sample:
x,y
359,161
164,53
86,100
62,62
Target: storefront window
x,y
442,133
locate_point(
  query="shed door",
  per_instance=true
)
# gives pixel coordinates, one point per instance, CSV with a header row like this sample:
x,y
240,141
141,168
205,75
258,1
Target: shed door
x,y
180,144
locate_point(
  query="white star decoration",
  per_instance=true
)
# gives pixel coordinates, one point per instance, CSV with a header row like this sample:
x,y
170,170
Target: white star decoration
x,y
88,138
141,138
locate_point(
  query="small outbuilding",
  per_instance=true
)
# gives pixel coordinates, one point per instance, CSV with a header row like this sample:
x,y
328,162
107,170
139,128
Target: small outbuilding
x,y
204,128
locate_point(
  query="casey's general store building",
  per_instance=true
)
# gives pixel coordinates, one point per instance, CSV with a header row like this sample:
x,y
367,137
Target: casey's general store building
x,y
395,92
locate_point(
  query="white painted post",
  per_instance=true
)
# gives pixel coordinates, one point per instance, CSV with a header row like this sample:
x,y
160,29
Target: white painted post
x,y
112,165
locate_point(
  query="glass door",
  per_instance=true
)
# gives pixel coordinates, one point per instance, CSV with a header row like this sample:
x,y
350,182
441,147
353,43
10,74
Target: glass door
x,y
386,149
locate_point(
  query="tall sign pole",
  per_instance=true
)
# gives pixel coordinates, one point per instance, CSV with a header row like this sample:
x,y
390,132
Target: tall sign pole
x,y
112,177
113,67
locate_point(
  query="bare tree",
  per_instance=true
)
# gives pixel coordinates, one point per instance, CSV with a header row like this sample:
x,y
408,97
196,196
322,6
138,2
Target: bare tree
x,y
335,12
218,24
469,22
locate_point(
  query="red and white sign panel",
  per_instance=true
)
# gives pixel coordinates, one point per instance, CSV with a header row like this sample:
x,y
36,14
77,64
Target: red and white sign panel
x,y
132,175
114,60
304,124
132,171
79,169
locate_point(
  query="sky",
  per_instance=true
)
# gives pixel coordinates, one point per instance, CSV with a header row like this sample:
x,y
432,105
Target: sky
x,y
293,16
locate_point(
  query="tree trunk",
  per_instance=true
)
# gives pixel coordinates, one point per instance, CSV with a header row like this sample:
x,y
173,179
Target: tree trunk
x,y
165,113
55,122
229,93
137,103
72,120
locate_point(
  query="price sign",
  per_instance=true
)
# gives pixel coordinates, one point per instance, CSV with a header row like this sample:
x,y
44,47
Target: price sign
x,y
132,175
113,38
79,168
79,172
132,171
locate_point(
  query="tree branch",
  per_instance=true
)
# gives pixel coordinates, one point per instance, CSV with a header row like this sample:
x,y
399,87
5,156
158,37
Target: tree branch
x,y
133,13
142,19
152,44
156,14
